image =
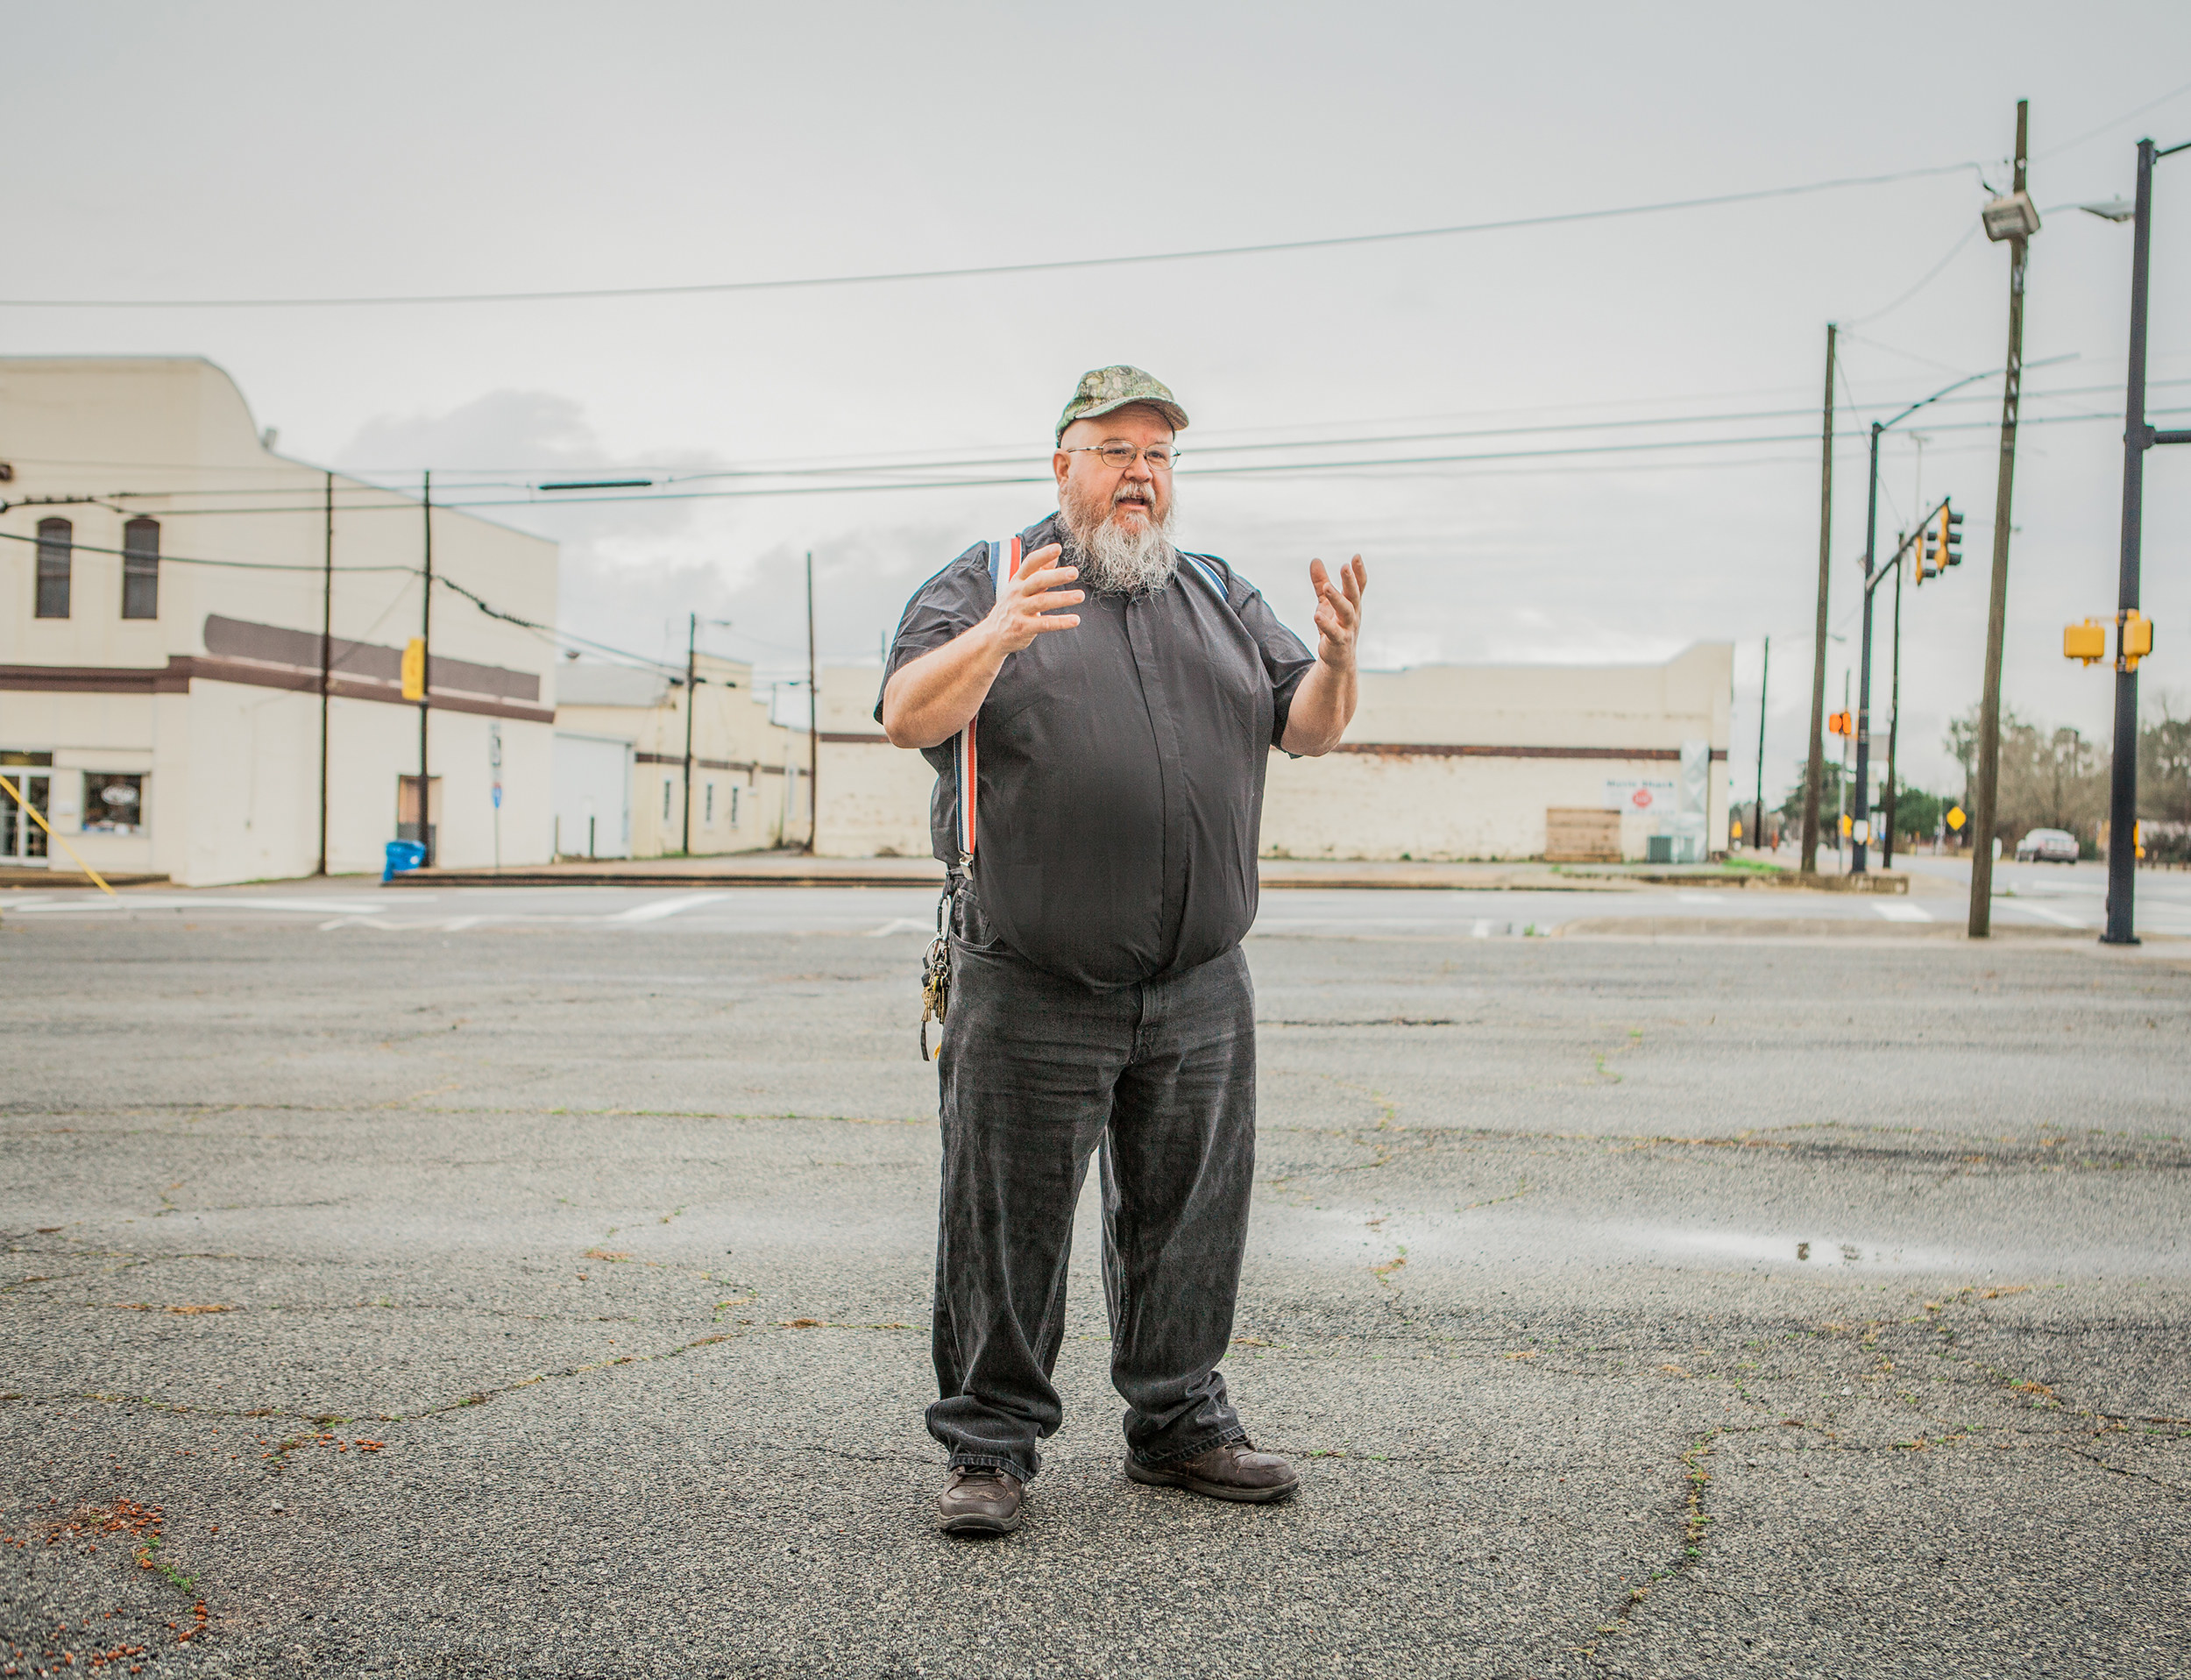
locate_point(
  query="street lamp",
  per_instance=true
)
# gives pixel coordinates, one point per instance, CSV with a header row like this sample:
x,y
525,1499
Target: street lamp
x,y
1861,833
2138,437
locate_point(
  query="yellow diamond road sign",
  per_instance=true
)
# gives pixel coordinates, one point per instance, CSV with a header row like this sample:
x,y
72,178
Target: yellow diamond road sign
x,y
1956,818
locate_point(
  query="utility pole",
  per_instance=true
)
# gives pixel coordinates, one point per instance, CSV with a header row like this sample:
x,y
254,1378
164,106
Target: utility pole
x,y
2138,437
1814,771
813,718
1893,717
1757,813
691,692
426,675
1980,923
327,654
1842,809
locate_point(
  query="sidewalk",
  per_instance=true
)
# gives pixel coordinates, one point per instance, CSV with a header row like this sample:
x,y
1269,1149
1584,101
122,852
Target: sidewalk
x,y
796,870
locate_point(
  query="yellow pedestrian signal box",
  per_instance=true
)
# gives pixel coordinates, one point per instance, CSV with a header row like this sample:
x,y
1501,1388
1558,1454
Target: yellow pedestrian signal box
x,y
2134,641
414,669
2087,641
1848,823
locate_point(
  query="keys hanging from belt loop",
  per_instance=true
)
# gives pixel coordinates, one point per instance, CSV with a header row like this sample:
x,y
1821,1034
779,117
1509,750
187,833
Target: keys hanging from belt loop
x,y
935,978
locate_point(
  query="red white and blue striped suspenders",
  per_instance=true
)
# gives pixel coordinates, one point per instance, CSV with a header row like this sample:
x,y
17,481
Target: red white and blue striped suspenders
x,y
1003,562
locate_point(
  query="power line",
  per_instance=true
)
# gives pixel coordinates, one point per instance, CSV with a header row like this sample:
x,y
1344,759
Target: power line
x,y
1455,458
1052,266
1027,460
194,560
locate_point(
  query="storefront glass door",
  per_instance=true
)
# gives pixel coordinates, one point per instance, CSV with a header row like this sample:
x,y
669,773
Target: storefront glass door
x,y
22,841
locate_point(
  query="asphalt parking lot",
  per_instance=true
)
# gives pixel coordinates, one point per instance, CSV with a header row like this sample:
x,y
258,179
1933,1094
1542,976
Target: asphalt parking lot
x,y
496,1284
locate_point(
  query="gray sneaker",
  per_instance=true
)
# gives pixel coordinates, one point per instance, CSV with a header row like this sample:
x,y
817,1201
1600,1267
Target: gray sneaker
x,y
1234,1471
980,1499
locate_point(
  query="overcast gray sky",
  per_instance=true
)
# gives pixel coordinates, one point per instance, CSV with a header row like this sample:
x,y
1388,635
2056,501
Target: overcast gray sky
x,y
256,151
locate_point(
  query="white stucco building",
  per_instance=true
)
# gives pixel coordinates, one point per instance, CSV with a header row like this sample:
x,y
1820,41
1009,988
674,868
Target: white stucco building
x,y
620,770
1443,761
166,583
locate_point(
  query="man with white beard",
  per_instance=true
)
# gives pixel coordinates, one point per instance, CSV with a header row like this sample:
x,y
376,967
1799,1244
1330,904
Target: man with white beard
x,y
1115,701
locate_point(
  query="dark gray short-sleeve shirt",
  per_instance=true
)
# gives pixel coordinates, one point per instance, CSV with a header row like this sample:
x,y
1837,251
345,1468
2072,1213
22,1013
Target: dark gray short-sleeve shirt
x,y
1119,766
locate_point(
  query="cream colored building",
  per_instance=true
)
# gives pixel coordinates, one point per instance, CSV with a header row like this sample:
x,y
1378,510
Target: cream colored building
x,y
1443,761
621,770
164,584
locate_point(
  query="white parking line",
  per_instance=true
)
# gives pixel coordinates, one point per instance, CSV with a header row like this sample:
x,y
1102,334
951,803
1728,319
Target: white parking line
x,y
1480,929
206,903
1902,912
661,909
900,924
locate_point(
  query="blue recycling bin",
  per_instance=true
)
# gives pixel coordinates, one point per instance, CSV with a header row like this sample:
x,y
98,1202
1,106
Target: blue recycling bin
x,y
402,856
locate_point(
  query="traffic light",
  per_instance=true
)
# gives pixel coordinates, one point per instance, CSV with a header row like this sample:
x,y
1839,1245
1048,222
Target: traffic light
x,y
2134,639
1840,723
1941,544
2087,641
414,669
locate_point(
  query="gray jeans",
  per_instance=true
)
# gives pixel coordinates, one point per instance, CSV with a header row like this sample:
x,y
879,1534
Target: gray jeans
x,y
1037,1072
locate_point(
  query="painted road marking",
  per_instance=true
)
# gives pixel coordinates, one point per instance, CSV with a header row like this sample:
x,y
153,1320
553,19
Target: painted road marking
x,y
663,908
1902,912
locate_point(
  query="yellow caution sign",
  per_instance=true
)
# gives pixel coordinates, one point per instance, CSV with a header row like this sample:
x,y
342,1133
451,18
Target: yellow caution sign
x,y
1956,818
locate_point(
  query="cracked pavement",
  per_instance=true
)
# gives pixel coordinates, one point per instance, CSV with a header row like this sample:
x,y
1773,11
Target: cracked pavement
x,y
552,1302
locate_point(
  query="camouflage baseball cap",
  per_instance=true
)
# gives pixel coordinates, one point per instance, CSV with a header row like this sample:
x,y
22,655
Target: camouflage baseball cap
x,y
1105,388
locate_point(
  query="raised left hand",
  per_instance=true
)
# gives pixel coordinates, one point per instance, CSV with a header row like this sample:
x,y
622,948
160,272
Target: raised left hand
x,y
1339,611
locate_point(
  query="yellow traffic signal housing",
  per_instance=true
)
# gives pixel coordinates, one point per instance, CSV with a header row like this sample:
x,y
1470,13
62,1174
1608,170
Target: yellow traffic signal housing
x,y
2133,640
1839,723
414,669
2087,641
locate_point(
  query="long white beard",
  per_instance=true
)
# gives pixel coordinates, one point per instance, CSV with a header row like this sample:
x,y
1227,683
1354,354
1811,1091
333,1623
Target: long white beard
x,y
1115,560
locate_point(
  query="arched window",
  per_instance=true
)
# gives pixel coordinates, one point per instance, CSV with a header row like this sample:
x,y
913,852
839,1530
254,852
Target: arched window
x,y
56,549
140,569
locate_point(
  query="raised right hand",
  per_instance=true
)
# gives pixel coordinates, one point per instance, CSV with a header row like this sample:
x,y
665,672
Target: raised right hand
x,y
1026,602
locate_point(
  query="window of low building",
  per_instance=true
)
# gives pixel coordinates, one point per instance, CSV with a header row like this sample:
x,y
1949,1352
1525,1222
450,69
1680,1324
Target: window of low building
x,y
56,553
113,804
140,569
733,804
668,788
710,816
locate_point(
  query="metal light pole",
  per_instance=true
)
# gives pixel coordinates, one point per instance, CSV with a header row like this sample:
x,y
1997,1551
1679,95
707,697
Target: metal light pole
x,y
426,672
2138,437
1862,814
1757,811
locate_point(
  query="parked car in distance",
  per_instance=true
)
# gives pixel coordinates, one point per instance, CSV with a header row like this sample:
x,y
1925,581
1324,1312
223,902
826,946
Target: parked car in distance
x,y
2048,846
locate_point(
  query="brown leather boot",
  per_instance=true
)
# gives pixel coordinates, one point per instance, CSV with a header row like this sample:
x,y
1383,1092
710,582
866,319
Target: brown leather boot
x,y
980,1500
1234,1470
